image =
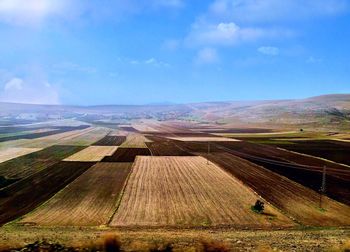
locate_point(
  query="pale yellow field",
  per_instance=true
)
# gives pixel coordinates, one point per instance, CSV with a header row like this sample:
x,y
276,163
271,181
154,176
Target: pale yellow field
x,y
186,191
47,141
135,140
204,139
10,153
92,154
144,127
87,138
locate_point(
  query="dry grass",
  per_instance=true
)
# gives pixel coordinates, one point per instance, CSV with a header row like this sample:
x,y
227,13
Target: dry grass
x,y
204,139
186,191
90,200
11,153
134,140
92,154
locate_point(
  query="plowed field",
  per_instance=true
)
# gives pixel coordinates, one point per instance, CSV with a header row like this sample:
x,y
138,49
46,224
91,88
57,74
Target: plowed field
x,y
90,200
186,191
127,155
25,195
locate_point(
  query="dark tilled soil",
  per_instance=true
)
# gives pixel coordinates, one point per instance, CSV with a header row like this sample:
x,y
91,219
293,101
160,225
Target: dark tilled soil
x,y
127,154
43,134
26,165
26,194
110,141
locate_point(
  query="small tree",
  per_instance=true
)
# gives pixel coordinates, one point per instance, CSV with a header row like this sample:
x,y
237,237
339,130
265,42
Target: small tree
x,y
258,207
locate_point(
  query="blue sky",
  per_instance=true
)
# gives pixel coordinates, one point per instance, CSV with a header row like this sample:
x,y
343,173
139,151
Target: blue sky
x,y
139,52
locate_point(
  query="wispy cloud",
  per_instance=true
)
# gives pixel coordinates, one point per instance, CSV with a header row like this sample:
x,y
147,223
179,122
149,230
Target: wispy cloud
x,y
207,56
313,60
73,67
269,50
276,10
150,62
228,34
40,12
30,86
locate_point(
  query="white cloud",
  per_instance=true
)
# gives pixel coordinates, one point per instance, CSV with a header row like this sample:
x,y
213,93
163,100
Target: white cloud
x,y
269,50
39,12
207,56
14,84
169,3
228,34
171,44
313,60
275,10
30,12
29,90
72,67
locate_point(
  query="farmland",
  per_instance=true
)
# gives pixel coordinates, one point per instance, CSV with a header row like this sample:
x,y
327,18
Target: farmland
x,y
155,178
92,154
11,153
88,201
134,140
186,191
127,155
23,196
110,141
29,164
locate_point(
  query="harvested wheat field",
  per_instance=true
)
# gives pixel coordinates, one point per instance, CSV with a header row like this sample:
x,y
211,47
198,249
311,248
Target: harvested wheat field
x,y
90,200
204,139
186,191
11,153
92,154
134,140
88,138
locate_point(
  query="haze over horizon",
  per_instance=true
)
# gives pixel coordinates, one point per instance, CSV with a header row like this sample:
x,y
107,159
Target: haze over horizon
x,y
177,51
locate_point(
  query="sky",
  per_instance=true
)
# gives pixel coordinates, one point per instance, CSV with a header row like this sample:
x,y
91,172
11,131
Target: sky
x,y
95,52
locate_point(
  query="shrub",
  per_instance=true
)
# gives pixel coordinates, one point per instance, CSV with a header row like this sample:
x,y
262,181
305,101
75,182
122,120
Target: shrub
x,y
214,246
258,207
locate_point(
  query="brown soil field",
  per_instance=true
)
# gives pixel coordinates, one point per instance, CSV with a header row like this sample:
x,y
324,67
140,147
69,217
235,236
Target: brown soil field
x,y
11,153
29,164
110,141
128,129
186,191
90,200
47,141
165,147
127,155
292,198
204,139
134,140
303,169
25,195
92,154
43,133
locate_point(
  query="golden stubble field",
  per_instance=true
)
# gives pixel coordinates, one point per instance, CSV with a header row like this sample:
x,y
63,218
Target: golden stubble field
x,y
92,154
186,191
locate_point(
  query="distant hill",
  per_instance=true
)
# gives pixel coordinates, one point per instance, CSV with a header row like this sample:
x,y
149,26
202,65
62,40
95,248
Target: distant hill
x,y
327,111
